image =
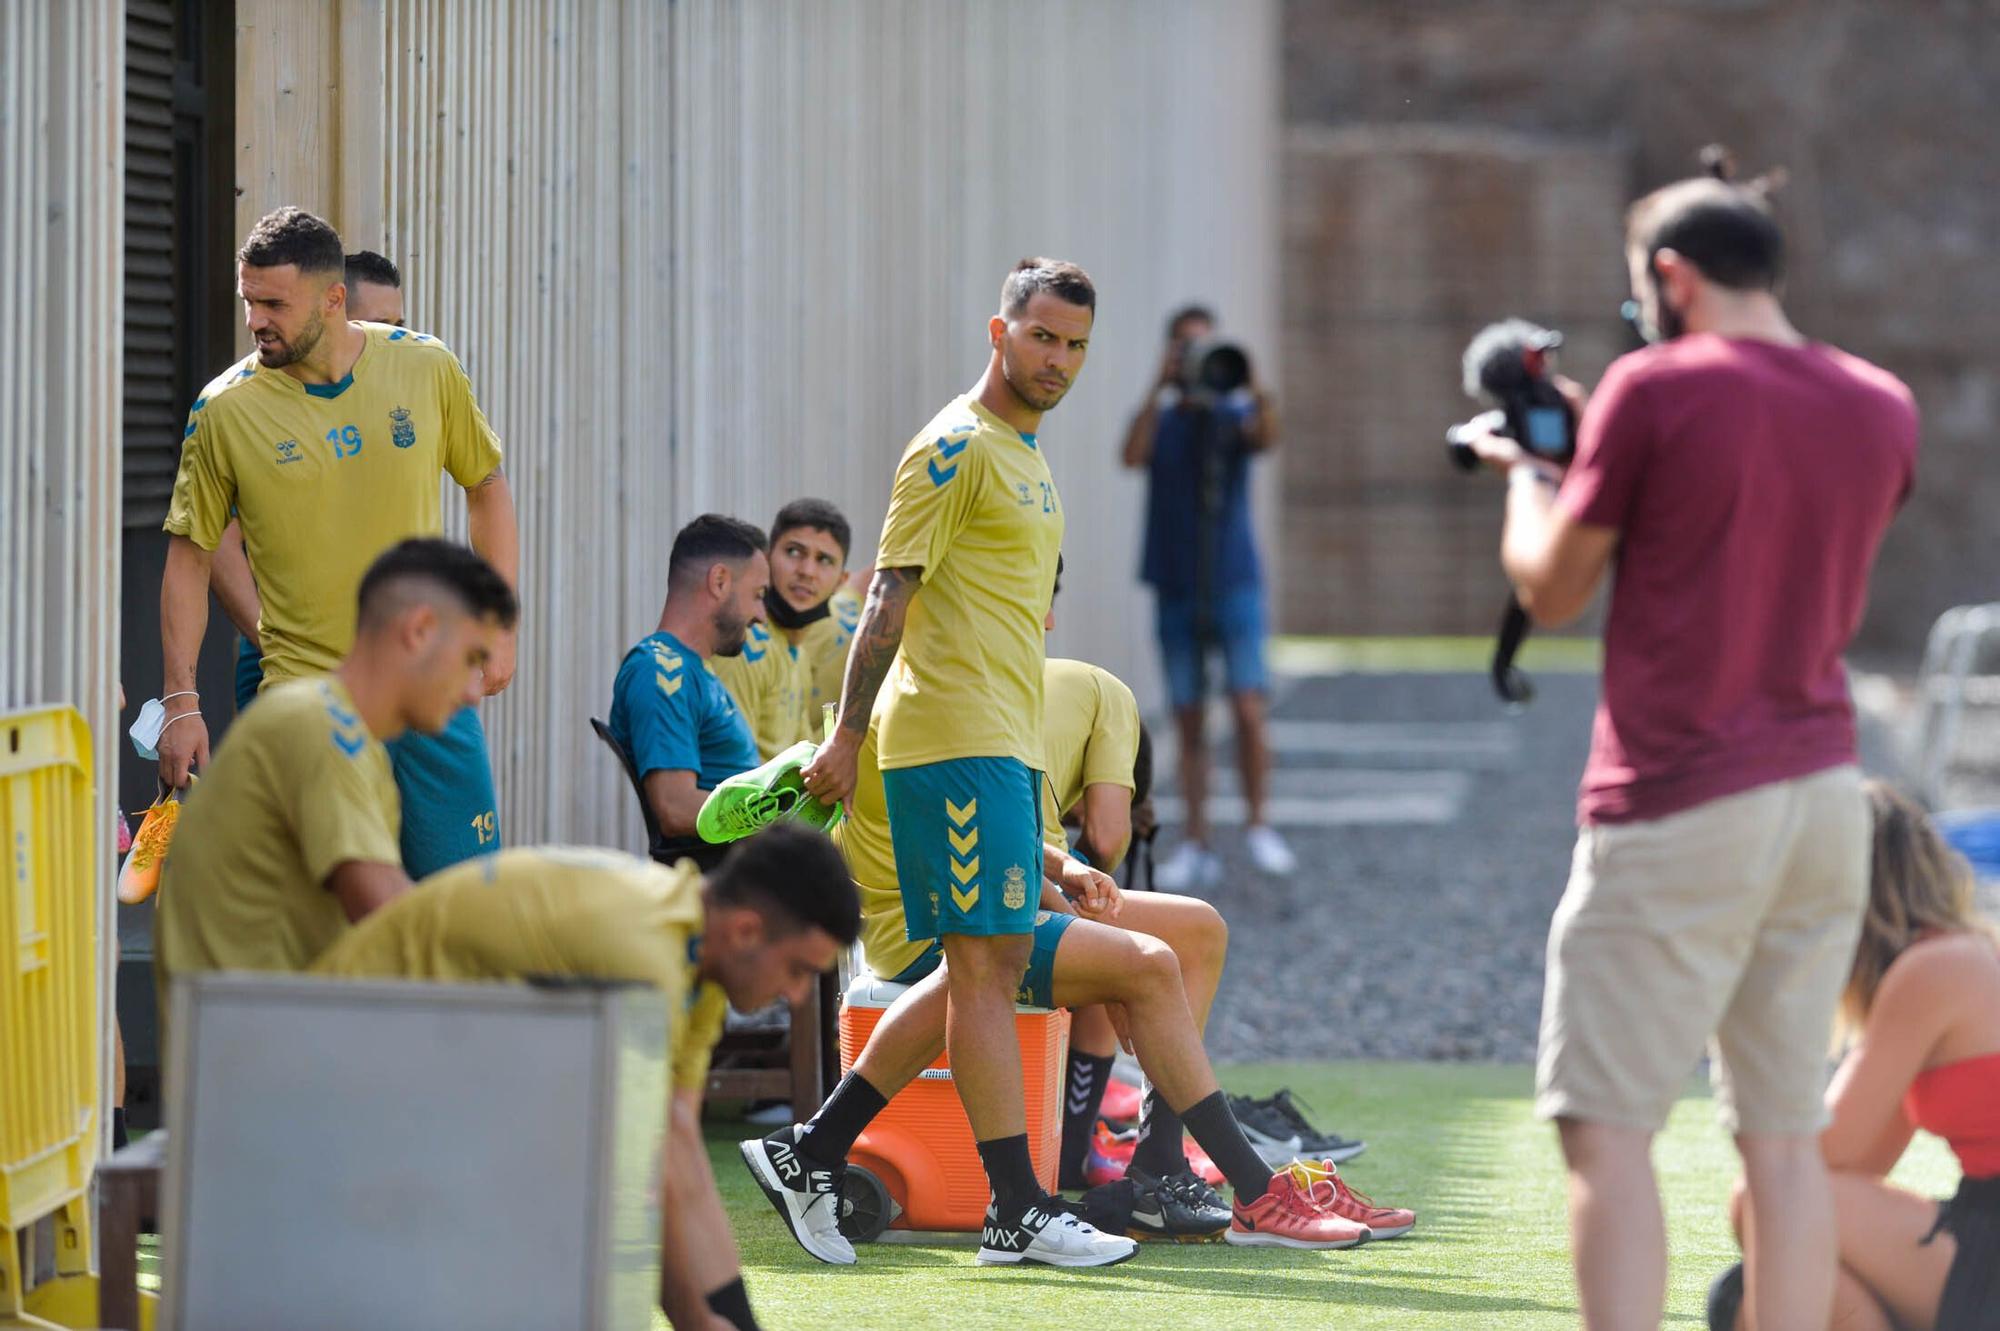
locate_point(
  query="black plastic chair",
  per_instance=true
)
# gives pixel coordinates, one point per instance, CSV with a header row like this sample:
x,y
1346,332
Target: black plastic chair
x,y
665,849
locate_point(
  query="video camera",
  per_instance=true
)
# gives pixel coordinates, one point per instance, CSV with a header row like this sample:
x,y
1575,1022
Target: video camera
x,y
1213,368
1510,364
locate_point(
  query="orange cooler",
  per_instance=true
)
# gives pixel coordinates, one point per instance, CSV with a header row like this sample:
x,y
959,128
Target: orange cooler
x,y
921,1146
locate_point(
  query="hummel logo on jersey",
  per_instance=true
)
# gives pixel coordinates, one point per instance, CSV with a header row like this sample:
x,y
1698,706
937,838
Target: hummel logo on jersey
x,y
288,451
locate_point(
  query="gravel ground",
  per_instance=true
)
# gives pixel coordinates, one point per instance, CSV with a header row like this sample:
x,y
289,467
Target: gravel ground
x,y
1410,940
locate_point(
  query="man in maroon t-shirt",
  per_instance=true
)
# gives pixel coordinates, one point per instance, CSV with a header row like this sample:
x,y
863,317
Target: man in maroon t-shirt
x,y
1736,478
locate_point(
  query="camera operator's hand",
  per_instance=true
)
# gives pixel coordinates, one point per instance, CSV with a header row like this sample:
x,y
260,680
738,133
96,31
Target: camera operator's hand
x,y
1502,454
1170,365
1573,392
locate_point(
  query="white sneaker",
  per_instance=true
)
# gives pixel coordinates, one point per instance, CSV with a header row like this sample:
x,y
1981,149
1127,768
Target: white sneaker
x,y
1269,851
1190,866
807,1199
1051,1237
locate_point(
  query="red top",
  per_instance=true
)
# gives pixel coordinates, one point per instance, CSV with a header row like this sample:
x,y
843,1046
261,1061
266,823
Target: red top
x,y
1750,484
1960,1102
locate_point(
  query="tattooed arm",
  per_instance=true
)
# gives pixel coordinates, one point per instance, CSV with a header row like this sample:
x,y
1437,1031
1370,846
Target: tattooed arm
x,y
831,776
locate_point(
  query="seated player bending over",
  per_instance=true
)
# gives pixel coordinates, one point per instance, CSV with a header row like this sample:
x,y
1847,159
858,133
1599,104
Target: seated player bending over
x,y
760,927
294,833
669,713
1161,969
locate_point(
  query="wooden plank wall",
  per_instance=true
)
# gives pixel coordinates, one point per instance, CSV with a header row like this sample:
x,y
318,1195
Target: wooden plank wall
x,y
715,255
62,143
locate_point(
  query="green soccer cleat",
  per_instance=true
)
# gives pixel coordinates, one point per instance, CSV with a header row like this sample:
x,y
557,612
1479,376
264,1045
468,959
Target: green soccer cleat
x,y
753,800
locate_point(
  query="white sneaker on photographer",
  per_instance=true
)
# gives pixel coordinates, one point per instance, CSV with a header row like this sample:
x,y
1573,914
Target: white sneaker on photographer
x,y
1191,866
1269,851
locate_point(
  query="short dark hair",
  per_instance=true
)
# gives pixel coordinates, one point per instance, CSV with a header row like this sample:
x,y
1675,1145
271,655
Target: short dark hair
x,y
1064,281
710,539
1185,313
1723,228
293,235
368,266
404,572
820,515
793,876
1056,590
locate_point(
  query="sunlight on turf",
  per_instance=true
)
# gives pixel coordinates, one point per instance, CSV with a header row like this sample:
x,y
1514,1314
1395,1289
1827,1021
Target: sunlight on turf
x,y
1459,1143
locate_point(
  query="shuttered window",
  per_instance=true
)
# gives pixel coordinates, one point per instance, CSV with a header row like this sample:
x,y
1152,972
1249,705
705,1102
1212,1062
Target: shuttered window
x,y
155,399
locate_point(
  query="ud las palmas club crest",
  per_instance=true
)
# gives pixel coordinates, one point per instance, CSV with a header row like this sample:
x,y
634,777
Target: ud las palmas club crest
x,y
1015,892
401,432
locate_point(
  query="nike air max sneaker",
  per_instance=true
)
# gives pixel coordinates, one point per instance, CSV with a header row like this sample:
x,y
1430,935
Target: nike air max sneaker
x,y
1181,1208
805,1195
1280,1133
1292,1213
1049,1234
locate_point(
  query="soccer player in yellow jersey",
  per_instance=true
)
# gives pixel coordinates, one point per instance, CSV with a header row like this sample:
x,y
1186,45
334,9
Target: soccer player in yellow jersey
x,y
293,834
1159,967
761,926
962,583
328,445
793,662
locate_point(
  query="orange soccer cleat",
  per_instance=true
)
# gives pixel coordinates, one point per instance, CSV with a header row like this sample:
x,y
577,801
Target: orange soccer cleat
x,y
139,877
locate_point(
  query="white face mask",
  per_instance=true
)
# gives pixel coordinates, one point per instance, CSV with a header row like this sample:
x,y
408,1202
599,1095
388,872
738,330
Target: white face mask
x,y
146,729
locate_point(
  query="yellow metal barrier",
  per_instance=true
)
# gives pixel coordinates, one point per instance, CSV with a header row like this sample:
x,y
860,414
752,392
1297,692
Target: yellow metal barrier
x,y
48,994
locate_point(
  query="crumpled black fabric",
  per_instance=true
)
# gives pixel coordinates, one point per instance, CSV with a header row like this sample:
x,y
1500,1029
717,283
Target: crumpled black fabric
x,y
1972,1290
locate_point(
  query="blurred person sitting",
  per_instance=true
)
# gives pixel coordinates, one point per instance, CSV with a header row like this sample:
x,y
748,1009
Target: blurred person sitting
x,y
759,928
1200,557
1922,1014
671,716
293,834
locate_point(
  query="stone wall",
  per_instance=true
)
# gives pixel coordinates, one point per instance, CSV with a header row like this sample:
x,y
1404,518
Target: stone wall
x,y
1450,162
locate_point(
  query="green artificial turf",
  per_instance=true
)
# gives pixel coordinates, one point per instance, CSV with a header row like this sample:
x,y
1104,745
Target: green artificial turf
x,y
1458,1143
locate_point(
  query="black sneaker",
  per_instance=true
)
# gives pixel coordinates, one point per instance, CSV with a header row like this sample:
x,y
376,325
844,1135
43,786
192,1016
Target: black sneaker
x,y
805,1195
1725,1298
1180,1208
1281,1133
1050,1233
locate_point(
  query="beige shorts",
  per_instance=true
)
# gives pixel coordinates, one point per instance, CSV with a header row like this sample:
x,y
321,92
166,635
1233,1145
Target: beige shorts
x,y
1730,924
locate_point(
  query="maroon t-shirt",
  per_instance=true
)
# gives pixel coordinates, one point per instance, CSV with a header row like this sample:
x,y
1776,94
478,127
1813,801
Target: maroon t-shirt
x,y
1750,484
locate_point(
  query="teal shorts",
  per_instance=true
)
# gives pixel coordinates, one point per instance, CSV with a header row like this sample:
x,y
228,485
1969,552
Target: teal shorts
x,y
1038,985
446,781
967,834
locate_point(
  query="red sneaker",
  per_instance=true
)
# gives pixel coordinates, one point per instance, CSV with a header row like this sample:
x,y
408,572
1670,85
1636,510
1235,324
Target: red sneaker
x,y
1123,1102
1293,1213
1109,1156
1331,1191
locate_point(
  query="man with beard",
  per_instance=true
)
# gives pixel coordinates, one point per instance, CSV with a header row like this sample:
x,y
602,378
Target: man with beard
x,y
795,659
327,444
968,562
669,713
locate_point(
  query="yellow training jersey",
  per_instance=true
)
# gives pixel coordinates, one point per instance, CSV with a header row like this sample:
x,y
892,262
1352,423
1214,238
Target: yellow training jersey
x,y
769,681
824,644
549,910
975,508
325,477
1090,731
298,787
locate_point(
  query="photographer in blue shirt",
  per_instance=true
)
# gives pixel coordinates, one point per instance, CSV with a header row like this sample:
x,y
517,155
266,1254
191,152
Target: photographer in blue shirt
x,y
1204,420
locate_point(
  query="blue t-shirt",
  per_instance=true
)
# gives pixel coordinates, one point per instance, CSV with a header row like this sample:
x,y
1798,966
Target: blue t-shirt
x,y
1172,551
669,713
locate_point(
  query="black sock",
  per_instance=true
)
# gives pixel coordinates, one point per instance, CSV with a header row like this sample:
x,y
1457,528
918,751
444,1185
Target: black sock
x,y
1222,1137
1012,1174
119,1138
1083,1096
1161,1150
731,1303
830,1135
